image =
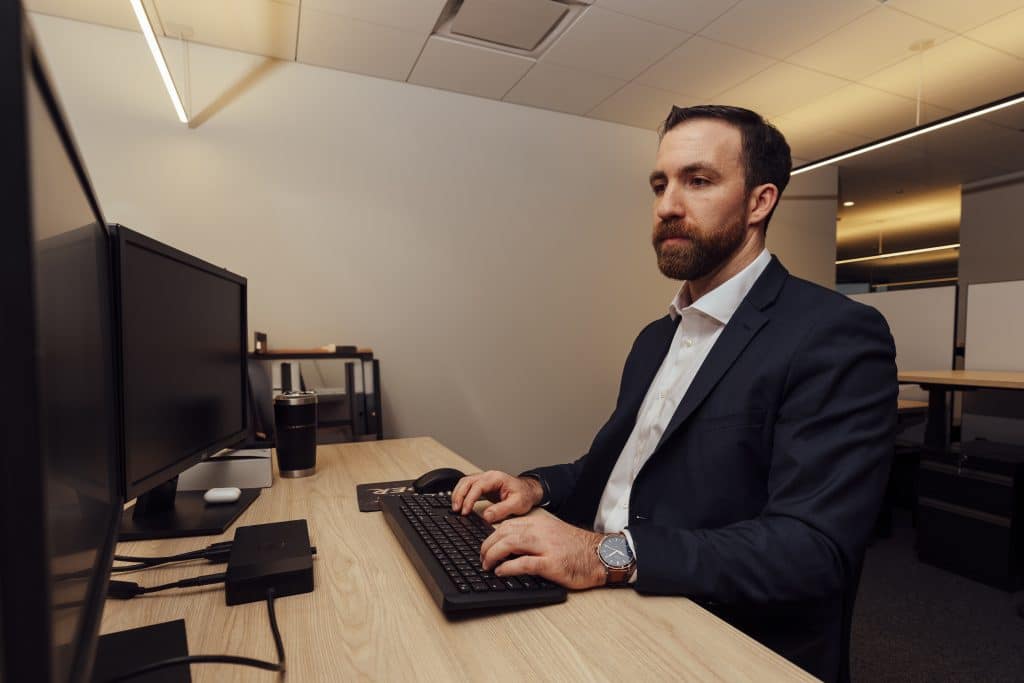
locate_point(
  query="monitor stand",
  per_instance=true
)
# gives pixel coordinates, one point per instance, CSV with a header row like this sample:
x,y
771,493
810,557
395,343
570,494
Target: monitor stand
x,y
165,512
125,651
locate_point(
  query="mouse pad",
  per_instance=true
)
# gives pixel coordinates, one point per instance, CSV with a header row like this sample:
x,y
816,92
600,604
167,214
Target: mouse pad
x,y
369,494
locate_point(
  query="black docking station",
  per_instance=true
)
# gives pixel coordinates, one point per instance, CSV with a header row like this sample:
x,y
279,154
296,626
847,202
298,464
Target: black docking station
x,y
268,557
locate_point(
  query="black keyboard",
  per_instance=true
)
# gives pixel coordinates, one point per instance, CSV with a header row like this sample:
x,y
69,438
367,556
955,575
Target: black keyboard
x,y
444,547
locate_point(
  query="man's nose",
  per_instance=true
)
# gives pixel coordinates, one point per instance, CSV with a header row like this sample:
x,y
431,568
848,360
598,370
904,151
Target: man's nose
x,y
668,206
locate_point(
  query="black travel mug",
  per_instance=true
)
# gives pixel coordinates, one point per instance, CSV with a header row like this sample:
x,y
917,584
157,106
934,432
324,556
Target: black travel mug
x,y
295,433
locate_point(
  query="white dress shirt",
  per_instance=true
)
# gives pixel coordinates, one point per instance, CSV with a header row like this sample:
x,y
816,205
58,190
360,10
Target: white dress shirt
x,y
700,324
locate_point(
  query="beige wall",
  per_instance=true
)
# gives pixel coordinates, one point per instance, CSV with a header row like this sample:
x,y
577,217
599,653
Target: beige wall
x,y
496,257
803,230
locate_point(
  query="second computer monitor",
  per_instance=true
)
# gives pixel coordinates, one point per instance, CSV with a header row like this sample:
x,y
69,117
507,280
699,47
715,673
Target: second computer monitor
x,y
183,380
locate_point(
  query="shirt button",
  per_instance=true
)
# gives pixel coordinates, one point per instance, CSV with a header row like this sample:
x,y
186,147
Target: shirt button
x,y
688,342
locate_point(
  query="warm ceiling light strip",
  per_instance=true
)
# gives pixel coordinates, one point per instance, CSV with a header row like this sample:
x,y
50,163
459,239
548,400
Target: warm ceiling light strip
x,y
158,57
898,253
907,283
914,132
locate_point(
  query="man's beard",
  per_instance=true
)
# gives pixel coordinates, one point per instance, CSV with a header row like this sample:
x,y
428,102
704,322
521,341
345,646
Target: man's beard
x,y
704,253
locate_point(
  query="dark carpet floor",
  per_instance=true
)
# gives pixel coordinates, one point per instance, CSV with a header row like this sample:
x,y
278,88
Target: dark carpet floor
x,y
915,622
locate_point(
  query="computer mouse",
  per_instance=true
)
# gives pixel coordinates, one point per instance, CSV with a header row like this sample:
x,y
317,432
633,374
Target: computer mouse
x,y
222,495
436,481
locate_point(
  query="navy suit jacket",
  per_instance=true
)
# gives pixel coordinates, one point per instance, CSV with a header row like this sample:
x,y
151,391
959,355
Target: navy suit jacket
x,y
759,499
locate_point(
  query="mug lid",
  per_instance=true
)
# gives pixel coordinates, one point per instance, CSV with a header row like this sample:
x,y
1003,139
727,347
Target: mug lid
x,y
296,398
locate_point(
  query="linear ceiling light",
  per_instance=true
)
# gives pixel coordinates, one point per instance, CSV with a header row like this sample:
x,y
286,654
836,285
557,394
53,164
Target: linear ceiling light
x,y
898,253
914,132
158,57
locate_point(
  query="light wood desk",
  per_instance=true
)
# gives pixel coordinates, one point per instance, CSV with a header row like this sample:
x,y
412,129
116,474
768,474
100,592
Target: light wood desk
x,y
939,382
371,618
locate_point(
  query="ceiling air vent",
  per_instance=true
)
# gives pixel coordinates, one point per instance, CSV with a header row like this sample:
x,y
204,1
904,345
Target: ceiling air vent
x,y
523,27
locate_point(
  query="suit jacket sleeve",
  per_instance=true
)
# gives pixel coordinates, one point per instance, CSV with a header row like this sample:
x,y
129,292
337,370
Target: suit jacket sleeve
x,y
832,444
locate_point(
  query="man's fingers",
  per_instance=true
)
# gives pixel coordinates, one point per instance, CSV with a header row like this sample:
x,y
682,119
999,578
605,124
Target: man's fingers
x,y
513,505
459,492
503,543
476,489
527,564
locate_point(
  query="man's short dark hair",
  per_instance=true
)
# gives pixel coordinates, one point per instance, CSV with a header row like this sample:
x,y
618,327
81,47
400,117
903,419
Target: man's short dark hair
x,y
766,157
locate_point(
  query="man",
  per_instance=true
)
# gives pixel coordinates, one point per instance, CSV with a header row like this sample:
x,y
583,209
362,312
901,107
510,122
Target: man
x,y
745,460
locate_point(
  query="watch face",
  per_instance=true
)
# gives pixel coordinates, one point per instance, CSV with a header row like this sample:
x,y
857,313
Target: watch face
x,y
615,552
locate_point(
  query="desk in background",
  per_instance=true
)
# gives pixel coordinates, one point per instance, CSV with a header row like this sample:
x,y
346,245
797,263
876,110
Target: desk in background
x,y
970,504
939,382
370,616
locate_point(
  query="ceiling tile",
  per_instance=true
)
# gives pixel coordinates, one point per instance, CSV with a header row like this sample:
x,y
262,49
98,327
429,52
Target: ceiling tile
x,y
702,68
977,140
957,75
262,27
469,69
351,45
780,88
825,143
116,13
418,16
814,142
550,86
805,21
863,111
640,106
1006,33
612,44
872,42
690,16
956,15
1011,117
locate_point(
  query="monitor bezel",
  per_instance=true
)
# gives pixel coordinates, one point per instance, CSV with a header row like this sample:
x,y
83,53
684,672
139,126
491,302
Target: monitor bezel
x,y
122,237
25,592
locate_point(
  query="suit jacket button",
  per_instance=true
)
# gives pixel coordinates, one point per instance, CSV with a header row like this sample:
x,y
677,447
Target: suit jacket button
x,y
639,516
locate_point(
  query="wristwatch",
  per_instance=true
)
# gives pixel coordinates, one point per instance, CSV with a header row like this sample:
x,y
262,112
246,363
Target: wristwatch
x,y
617,558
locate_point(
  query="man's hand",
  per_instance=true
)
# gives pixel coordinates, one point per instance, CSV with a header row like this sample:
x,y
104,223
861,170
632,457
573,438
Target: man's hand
x,y
547,547
510,495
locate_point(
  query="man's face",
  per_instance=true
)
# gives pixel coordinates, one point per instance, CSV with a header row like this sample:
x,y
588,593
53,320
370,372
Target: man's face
x,y
700,198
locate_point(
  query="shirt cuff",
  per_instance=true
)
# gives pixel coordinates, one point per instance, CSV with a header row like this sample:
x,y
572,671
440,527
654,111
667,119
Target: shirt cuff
x,y
632,547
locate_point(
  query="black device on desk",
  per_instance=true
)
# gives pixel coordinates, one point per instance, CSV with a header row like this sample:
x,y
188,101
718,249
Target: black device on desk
x,y
59,501
182,335
444,547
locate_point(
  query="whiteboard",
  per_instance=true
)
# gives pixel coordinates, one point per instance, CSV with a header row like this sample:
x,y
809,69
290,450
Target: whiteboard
x,y
923,325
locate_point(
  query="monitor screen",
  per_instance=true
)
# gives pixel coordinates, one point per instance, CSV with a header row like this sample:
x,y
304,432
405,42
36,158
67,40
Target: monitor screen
x,y
60,454
183,338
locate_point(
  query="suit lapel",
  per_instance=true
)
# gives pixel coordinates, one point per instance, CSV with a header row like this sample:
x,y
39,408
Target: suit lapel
x,y
742,328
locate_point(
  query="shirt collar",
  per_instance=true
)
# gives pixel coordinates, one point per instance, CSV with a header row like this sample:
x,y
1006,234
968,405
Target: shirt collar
x,y
722,301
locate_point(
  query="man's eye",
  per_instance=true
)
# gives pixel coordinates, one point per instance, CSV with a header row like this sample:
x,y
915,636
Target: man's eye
x,y
698,181
658,189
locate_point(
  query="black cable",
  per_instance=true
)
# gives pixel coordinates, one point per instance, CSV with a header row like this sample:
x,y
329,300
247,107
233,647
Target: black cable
x,y
220,659
215,553
125,590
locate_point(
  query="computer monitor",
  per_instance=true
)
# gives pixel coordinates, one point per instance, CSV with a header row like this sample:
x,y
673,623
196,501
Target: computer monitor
x,y
59,503
182,336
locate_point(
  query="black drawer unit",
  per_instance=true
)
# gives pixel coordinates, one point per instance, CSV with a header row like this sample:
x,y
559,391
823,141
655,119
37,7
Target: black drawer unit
x,y
970,512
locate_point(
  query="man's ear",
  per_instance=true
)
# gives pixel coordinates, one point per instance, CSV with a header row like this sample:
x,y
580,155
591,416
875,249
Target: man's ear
x,y
762,200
